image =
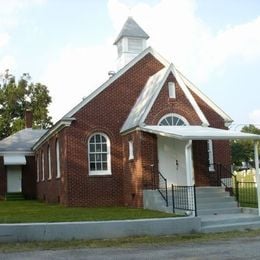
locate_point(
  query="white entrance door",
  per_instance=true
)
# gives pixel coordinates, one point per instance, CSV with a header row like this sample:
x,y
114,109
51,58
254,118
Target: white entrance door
x,y
172,162
14,178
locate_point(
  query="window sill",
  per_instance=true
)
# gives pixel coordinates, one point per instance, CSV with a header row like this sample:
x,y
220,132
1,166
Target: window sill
x,y
107,173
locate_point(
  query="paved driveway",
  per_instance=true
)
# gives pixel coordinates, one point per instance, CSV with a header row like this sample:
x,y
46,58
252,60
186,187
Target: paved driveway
x,y
237,248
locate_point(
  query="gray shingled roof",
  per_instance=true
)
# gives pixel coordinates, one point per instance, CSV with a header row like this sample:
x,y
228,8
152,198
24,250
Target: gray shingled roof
x,y
131,29
23,140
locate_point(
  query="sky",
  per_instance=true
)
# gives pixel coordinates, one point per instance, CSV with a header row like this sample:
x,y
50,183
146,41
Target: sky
x,y
68,46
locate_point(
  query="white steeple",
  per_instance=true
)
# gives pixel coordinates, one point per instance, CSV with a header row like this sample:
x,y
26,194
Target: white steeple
x,y
130,42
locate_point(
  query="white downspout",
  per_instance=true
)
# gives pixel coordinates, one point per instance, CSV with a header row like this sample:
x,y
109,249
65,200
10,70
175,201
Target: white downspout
x,y
189,171
257,174
189,165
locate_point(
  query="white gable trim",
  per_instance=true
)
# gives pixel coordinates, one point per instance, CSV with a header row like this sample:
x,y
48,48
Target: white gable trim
x,y
184,89
55,129
206,99
116,76
190,98
150,105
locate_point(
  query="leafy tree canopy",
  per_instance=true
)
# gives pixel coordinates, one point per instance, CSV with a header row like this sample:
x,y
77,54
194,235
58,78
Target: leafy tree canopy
x,y
17,96
243,150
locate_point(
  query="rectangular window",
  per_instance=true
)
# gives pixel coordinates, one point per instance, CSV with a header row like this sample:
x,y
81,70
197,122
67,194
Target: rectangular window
x,y
131,150
171,89
57,159
49,163
211,156
38,168
43,168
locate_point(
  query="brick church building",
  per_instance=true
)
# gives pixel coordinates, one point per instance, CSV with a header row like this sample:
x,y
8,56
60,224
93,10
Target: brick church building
x,y
145,119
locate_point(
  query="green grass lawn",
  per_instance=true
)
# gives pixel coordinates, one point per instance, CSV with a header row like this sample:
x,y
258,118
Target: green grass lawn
x,y
34,211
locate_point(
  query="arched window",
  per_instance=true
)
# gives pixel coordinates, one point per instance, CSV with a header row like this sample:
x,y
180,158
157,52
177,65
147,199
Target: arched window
x,y
99,154
173,120
57,159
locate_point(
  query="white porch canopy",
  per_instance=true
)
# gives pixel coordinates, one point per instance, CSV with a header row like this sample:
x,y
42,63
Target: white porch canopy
x,y
197,133
14,160
190,133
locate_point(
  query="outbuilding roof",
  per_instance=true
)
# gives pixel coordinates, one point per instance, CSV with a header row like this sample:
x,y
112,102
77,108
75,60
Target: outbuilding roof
x,y
149,94
22,141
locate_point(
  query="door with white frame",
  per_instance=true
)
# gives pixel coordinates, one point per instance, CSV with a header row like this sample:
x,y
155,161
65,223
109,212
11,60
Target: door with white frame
x,y
172,161
14,178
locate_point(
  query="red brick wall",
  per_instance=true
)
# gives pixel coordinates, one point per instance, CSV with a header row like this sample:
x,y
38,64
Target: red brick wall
x,y
222,149
106,113
3,180
164,105
29,178
139,172
52,190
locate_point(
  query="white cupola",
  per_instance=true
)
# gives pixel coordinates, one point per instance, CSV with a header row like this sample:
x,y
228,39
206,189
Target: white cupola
x,y
130,42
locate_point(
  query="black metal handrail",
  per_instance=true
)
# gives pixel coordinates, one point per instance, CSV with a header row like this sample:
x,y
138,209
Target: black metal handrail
x,y
162,188
184,198
224,177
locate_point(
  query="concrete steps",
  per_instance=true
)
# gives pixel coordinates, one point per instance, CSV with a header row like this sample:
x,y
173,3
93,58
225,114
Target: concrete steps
x,y
214,200
14,196
219,212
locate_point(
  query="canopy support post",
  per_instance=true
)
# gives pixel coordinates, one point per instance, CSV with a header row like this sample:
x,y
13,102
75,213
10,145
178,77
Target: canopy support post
x,y
257,174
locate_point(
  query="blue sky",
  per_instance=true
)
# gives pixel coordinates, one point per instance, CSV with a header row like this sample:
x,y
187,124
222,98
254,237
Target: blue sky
x,y
68,45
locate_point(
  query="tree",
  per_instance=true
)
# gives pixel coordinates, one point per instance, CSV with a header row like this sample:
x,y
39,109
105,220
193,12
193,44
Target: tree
x,y
243,150
18,96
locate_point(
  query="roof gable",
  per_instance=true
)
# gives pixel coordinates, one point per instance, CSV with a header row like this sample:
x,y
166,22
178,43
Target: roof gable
x,y
150,93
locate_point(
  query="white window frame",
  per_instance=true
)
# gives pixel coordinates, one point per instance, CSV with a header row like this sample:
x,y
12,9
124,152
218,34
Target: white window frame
x,y
43,167
211,156
49,163
130,150
57,149
171,89
38,168
173,115
108,153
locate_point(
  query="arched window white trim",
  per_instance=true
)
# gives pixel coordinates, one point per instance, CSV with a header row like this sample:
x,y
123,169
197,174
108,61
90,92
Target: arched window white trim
x,y
99,155
49,163
173,120
57,159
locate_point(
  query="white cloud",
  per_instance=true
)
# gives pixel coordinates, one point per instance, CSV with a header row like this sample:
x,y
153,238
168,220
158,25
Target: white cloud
x,y
175,31
181,36
254,116
75,74
7,62
4,38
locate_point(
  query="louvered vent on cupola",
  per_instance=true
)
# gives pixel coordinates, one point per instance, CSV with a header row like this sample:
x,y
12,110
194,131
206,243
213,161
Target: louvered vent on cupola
x,y
130,42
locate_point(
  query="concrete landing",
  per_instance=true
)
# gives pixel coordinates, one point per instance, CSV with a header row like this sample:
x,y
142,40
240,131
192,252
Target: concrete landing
x,y
229,222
